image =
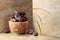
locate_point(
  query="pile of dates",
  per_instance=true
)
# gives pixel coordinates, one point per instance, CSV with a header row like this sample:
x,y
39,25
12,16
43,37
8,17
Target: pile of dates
x,y
18,17
31,32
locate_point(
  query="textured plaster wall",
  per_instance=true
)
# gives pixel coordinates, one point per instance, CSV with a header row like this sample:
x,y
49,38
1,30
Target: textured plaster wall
x,y
7,8
49,13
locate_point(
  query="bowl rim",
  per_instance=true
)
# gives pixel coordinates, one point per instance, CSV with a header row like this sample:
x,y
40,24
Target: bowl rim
x,y
18,22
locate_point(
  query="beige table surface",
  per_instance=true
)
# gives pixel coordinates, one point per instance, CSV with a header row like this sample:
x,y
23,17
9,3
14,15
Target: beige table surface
x,y
26,37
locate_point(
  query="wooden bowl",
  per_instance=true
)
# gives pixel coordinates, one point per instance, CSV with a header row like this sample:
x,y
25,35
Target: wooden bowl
x,y
18,27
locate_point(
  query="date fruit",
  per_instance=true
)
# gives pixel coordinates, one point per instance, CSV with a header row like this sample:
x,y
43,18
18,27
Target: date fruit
x,y
35,34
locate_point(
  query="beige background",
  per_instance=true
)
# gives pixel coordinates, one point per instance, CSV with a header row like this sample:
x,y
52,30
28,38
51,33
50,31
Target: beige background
x,y
49,12
7,8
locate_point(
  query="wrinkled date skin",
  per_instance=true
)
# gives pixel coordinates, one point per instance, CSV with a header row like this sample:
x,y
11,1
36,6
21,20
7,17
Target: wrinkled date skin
x,y
19,17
